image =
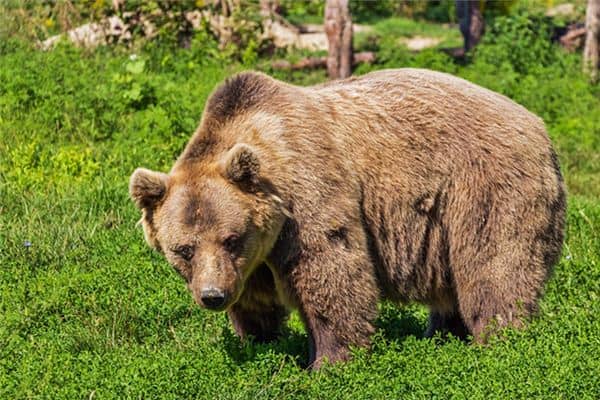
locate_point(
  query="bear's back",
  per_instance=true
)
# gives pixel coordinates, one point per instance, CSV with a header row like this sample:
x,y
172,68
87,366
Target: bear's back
x,y
437,103
426,124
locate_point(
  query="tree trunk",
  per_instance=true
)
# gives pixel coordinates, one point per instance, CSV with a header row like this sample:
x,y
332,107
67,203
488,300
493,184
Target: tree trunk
x,y
477,24
471,22
591,53
338,28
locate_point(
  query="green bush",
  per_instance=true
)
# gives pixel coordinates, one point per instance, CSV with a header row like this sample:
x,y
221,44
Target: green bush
x,y
521,41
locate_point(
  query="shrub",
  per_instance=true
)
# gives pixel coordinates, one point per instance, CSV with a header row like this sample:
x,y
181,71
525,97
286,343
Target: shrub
x,y
521,41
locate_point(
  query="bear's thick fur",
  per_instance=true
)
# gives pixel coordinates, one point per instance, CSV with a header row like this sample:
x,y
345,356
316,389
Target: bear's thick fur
x,y
407,185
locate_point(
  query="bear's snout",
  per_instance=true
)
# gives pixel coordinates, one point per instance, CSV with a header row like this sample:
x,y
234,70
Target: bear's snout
x,y
213,298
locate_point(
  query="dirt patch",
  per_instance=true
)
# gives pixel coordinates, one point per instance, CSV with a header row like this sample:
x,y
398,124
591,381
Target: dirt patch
x,y
420,42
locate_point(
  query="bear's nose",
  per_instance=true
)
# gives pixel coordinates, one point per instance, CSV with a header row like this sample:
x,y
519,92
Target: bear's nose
x,y
212,298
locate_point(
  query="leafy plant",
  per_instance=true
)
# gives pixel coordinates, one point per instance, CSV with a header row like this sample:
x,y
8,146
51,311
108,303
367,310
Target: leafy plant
x,y
137,91
521,41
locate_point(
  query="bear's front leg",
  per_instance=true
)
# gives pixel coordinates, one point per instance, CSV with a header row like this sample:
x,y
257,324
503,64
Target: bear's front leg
x,y
258,312
336,292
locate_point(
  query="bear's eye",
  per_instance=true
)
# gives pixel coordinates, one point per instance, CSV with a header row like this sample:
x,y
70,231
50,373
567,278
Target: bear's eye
x,y
186,252
232,243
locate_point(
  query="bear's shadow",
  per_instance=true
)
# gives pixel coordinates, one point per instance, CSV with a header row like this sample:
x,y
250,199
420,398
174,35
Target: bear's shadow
x,y
396,324
393,324
290,343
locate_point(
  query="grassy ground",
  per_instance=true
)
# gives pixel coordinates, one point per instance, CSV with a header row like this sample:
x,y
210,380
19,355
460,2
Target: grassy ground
x,y
87,310
398,28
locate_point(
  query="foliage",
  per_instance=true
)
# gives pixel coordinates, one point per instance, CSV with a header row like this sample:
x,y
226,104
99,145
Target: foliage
x,y
40,19
165,24
366,12
302,11
387,35
522,41
87,310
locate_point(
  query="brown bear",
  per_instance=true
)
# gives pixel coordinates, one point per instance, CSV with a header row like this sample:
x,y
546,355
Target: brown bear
x,y
408,185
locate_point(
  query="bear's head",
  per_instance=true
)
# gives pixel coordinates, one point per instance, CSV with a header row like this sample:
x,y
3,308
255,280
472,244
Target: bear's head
x,y
215,222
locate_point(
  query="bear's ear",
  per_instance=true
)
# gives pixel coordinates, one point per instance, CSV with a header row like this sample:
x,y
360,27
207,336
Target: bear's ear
x,y
147,187
241,165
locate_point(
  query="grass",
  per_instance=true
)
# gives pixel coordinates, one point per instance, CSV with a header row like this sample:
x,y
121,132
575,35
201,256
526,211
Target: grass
x,y
398,27
88,311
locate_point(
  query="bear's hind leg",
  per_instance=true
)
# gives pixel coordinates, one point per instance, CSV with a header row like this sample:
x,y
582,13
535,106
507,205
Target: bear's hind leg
x,y
503,249
258,312
486,308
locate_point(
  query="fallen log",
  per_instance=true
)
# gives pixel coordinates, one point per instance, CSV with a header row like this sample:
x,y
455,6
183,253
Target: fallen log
x,y
573,39
321,62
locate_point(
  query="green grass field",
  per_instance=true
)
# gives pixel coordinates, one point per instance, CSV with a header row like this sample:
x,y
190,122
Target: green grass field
x,y
87,310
